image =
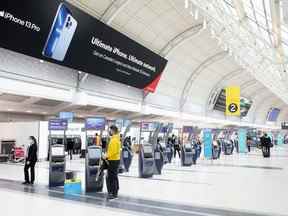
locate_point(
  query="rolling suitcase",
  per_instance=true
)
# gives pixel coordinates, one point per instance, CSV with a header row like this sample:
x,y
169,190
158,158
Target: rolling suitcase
x,y
266,152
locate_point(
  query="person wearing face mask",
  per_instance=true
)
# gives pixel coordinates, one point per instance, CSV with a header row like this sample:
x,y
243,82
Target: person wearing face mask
x,y
113,158
30,161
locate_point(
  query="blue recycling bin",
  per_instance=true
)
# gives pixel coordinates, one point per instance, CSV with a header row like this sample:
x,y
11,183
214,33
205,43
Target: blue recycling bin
x,y
72,187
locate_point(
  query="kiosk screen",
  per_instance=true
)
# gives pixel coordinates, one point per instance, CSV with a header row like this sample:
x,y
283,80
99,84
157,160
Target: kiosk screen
x,y
94,153
147,151
57,151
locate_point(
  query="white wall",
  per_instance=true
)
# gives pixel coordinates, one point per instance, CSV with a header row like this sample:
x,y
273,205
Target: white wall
x,y
19,131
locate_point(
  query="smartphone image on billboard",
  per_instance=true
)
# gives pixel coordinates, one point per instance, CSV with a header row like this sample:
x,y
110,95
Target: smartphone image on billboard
x,y
61,34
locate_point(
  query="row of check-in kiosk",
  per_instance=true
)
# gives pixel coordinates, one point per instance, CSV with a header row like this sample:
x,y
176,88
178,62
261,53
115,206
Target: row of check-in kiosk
x,y
153,155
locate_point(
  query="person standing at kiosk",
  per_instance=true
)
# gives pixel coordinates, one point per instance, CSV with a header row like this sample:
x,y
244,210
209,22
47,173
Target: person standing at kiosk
x,y
30,161
97,140
113,157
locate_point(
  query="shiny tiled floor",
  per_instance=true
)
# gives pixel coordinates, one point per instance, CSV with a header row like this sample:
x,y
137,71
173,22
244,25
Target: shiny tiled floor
x,y
239,183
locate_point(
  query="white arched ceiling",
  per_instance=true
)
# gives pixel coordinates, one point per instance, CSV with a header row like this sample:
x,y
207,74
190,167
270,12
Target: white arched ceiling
x,y
165,27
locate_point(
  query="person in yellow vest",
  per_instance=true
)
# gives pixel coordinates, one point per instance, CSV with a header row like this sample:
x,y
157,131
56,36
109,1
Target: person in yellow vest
x,y
113,158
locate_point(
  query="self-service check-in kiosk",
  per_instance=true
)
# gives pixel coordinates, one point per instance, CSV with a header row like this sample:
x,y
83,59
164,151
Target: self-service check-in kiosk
x,y
228,147
57,165
93,155
158,149
92,167
57,159
148,139
159,159
187,150
187,154
167,142
146,161
126,153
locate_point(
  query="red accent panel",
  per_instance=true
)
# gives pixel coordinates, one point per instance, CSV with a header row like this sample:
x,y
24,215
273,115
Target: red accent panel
x,y
153,85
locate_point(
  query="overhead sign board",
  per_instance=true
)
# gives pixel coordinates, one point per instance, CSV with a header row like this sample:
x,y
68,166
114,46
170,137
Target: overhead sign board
x,y
66,115
233,101
58,32
58,124
95,123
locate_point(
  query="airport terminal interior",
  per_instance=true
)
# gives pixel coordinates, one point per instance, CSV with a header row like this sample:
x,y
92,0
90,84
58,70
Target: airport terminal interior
x,y
144,107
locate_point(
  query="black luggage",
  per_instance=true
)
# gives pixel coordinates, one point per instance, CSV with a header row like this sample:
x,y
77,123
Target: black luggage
x,y
266,152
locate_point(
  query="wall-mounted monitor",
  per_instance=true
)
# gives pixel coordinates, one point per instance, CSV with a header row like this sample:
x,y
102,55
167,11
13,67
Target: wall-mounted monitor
x,y
96,123
273,114
148,126
245,105
67,115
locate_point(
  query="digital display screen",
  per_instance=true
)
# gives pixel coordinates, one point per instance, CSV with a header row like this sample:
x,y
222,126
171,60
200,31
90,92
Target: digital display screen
x,y
147,149
148,126
57,151
60,33
97,123
187,129
245,105
94,153
164,130
58,124
273,114
67,115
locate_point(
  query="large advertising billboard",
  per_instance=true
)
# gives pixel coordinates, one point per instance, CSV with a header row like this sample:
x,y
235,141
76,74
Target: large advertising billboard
x,y
58,32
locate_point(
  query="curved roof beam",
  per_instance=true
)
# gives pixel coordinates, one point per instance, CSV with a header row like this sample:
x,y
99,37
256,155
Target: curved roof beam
x,y
247,84
240,9
179,39
81,5
256,92
206,63
113,10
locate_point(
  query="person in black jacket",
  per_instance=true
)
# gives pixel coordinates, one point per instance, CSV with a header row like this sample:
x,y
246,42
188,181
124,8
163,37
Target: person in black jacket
x,y
30,161
266,144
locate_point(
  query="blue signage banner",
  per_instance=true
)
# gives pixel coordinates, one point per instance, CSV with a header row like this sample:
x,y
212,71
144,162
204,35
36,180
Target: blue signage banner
x,y
242,139
207,140
58,124
187,129
148,126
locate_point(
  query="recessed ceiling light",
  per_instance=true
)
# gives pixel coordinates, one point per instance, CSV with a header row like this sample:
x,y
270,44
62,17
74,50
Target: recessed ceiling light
x,y
80,72
41,61
106,80
128,86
